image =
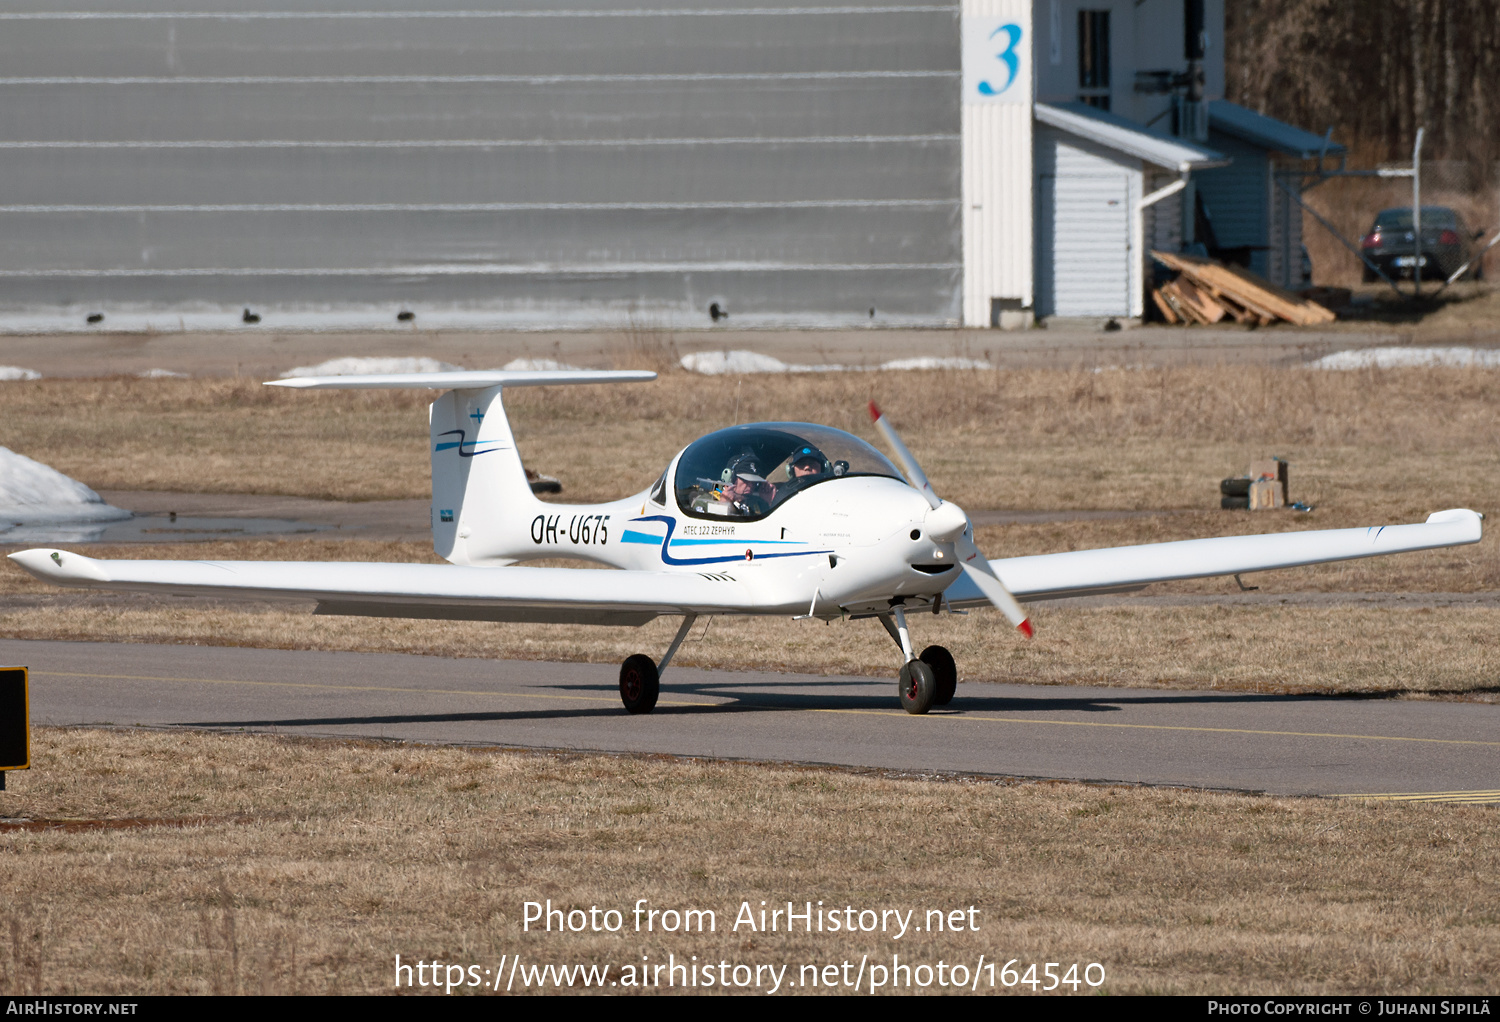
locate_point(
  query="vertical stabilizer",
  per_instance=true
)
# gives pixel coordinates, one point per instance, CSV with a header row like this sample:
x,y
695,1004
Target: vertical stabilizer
x,y
479,490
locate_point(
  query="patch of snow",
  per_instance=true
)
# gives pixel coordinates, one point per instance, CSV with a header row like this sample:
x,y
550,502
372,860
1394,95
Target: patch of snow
x,y
719,363
1410,358
370,366
161,374
526,365
17,373
33,494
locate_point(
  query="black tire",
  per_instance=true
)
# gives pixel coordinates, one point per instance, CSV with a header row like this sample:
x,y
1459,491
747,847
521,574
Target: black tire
x,y
1370,276
917,687
946,671
1239,487
639,683
1234,503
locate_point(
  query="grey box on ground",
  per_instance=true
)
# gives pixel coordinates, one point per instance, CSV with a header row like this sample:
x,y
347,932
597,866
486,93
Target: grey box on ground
x,y
1264,487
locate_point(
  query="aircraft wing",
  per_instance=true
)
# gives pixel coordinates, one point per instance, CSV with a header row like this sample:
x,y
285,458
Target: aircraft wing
x,y
449,592
1127,568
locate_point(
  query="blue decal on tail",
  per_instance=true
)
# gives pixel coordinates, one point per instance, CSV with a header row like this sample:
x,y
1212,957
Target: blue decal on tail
x,y
461,443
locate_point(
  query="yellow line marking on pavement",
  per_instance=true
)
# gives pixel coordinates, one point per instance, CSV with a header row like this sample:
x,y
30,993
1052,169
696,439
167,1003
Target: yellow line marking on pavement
x,y
329,688
1465,797
1226,730
814,709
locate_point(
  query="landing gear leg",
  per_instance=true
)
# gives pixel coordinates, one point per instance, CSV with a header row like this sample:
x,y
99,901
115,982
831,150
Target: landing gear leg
x,y
640,676
917,684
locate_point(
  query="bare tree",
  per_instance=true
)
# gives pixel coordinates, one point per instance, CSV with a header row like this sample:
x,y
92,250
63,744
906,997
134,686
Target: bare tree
x,y
1373,70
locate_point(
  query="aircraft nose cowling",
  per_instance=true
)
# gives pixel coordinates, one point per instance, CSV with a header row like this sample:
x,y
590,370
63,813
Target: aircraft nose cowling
x,y
946,522
873,510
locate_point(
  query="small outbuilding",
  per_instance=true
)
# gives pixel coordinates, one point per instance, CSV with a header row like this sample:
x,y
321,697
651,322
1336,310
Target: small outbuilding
x,y
1244,212
1098,179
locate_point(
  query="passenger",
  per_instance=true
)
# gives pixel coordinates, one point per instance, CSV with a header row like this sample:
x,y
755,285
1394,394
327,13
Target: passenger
x,y
808,466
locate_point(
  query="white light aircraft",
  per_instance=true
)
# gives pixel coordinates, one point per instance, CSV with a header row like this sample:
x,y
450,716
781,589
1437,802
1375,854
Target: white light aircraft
x,y
780,518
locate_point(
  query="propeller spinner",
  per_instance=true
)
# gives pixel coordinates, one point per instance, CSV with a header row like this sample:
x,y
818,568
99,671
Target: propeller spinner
x,y
947,523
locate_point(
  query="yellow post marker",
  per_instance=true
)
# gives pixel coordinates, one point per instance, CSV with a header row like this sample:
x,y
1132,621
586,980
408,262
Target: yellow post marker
x,y
15,721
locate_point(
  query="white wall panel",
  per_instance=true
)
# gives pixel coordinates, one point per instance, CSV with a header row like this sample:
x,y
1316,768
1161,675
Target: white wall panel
x,y
997,147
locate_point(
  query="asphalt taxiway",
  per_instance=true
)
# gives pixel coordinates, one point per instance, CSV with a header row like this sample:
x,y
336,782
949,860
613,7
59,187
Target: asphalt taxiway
x,y
1303,745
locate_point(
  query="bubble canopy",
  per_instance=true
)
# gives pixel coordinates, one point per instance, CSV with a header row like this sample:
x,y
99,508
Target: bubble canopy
x,y
745,472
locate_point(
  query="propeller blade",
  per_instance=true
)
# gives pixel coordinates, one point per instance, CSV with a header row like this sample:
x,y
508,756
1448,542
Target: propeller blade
x,y
979,571
943,525
914,473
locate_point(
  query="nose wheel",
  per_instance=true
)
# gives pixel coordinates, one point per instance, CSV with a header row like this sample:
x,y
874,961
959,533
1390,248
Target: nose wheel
x,y
917,687
925,681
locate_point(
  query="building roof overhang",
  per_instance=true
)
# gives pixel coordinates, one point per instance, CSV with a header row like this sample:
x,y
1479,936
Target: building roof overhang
x,y
1115,132
1268,132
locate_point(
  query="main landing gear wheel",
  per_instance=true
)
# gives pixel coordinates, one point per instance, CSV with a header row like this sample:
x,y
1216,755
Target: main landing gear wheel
x,y
917,687
639,683
946,671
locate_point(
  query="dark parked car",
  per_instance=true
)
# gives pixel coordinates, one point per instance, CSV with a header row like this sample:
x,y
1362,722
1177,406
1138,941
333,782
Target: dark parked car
x,y
1447,243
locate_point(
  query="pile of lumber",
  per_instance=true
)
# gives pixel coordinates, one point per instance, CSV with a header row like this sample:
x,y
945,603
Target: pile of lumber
x,y
1206,291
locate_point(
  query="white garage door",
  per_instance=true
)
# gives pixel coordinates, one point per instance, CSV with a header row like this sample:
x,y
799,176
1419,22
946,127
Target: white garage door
x,y
1083,233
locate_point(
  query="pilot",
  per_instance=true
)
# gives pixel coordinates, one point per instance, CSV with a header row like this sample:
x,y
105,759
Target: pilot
x,y
743,487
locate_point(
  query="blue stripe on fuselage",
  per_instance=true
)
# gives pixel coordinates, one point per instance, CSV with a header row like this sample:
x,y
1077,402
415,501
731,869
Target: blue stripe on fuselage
x,y
757,542
666,541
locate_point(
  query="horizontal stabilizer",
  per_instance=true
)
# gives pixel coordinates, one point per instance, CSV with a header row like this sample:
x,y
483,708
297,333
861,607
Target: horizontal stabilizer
x,y
477,380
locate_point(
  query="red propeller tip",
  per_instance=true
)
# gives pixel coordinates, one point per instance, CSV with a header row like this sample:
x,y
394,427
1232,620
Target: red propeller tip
x,y
874,412
1025,628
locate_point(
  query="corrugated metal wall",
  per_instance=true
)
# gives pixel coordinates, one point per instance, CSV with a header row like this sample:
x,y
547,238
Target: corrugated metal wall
x,y
795,164
1085,201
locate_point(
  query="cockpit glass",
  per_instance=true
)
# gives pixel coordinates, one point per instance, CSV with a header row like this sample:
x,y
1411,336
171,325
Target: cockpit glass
x,y
746,472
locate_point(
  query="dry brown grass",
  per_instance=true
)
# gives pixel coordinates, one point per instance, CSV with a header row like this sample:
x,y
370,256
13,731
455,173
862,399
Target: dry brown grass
x,y
1379,442
307,866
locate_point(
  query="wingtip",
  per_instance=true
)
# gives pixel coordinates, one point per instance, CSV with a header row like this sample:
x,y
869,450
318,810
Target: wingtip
x,y
1025,628
874,412
62,567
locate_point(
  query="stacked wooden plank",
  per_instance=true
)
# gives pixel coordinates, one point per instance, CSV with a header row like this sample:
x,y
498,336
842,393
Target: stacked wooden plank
x,y
1205,291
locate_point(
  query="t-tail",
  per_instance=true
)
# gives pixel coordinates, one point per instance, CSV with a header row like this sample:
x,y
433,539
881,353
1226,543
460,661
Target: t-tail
x,y
482,505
